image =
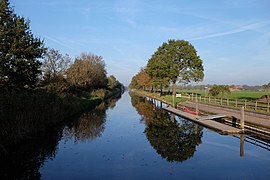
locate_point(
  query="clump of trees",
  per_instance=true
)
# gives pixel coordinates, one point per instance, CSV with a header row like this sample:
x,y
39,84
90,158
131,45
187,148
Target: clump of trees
x,y
219,90
174,61
32,75
87,72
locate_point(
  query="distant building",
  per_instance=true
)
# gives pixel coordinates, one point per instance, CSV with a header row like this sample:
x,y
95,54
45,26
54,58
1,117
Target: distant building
x,y
236,88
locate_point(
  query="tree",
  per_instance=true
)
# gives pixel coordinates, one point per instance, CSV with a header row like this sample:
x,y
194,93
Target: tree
x,y
88,72
157,69
20,50
176,60
143,79
221,90
134,83
112,82
55,65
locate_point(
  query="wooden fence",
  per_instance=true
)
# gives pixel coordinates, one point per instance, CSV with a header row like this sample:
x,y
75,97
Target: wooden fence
x,y
233,103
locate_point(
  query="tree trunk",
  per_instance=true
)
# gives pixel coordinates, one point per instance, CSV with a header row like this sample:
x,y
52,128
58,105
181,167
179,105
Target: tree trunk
x,y
161,89
174,89
173,93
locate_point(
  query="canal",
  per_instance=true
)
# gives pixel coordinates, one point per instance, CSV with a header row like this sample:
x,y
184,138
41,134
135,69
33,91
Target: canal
x,y
131,138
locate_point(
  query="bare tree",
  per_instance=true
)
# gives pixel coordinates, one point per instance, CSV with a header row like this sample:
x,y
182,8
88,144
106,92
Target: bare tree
x,y
55,64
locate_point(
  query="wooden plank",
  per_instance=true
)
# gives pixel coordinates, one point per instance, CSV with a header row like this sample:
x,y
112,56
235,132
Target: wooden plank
x,y
213,117
222,128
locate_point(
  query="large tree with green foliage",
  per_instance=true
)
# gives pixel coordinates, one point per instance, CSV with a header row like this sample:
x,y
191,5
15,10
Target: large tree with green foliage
x,y
176,60
157,69
19,50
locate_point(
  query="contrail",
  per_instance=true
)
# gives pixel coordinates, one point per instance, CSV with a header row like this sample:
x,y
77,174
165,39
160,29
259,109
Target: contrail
x,y
253,26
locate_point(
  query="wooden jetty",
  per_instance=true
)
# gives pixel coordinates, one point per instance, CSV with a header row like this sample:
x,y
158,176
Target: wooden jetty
x,y
212,117
207,121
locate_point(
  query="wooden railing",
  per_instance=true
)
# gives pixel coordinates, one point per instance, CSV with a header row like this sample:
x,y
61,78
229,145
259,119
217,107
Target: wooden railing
x,y
232,103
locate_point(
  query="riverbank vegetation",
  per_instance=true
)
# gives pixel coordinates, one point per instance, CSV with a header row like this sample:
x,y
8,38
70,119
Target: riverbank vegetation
x,y
40,87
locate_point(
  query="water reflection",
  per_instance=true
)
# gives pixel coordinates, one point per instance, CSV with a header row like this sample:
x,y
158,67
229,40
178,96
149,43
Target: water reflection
x,y
88,127
23,161
173,140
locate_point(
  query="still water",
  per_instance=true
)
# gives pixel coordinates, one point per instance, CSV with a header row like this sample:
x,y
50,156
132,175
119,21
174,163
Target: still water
x,y
131,138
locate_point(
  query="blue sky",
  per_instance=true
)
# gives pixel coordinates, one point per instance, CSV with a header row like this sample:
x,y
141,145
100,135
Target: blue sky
x,y
232,37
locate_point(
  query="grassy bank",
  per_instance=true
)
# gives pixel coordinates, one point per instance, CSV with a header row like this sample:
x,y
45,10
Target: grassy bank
x,y
23,115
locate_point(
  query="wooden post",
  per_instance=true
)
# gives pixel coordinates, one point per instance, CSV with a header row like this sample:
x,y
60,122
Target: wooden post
x,y
191,96
242,141
197,106
268,107
256,104
227,102
209,99
236,103
245,104
242,118
200,98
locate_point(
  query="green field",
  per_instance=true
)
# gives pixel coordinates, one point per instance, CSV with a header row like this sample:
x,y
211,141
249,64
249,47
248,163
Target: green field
x,y
245,95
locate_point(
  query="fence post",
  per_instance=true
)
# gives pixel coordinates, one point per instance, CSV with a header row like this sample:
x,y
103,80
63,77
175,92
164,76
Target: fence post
x,y
200,98
242,118
242,142
236,102
209,99
197,106
227,102
245,104
256,104
268,107
192,96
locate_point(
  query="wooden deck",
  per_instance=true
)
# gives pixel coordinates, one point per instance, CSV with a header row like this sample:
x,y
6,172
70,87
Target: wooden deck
x,y
206,121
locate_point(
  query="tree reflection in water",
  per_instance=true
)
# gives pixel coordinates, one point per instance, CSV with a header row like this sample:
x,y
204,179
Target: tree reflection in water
x,y
23,161
88,127
91,124
174,141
